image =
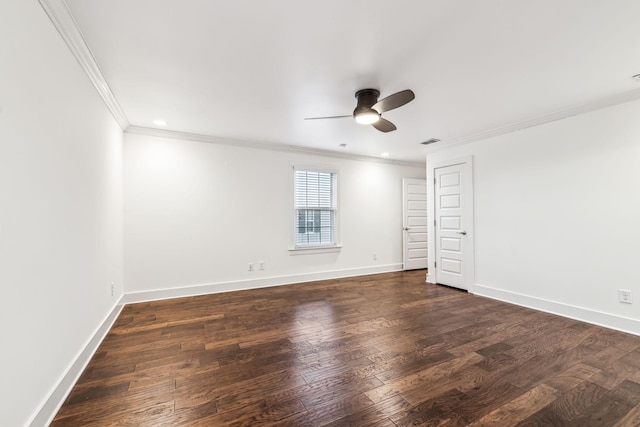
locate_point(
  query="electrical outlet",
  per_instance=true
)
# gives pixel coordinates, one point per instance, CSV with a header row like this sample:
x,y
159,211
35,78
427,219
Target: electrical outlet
x,y
624,296
113,291
261,265
375,256
250,266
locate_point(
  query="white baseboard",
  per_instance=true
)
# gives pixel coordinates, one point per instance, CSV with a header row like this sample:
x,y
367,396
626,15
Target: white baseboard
x,y
213,288
607,320
52,404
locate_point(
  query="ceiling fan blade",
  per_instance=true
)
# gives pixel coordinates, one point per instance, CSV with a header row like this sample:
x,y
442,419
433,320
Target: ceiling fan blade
x,y
384,125
328,117
396,100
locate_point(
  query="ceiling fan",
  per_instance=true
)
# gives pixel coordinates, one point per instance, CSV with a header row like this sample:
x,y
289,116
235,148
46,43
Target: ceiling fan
x,y
368,110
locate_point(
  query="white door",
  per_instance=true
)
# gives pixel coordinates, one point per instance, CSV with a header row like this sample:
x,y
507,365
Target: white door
x,y
414,241
453,225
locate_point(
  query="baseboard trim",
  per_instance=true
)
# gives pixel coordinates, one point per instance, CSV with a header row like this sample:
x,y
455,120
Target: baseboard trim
x,y
607,320
213,288
48,410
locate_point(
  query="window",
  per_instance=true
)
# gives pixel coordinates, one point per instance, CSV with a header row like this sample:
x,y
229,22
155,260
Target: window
x,y
315,205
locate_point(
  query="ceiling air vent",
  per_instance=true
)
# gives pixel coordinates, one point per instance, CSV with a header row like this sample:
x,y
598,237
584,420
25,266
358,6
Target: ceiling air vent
x,y
430,141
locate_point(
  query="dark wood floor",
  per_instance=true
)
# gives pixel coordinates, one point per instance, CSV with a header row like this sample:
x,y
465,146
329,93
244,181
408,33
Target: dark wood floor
x,y
383,350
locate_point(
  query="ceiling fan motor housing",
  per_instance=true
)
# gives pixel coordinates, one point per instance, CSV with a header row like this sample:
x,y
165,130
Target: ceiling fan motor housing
x,y
366,99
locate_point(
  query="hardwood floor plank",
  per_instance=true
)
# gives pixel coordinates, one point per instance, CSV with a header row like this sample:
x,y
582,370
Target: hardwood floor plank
x,y
569,406
604,358
519,408
571,377
605,412
486,397
538,368
426,383
436,408
324,391
632,418
627,392
375,414
96,393
377,350
619,369
259,414
328,411
501,334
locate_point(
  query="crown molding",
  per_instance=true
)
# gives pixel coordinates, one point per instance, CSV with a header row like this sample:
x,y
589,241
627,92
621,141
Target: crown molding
x,y
163,133
61,17
587,107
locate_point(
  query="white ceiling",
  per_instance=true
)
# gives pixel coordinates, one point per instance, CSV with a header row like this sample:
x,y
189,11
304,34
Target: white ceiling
x,y
252,69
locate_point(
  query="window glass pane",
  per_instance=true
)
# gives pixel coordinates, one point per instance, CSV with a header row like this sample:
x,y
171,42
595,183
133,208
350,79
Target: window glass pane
x,y
301,222
316,221
315,227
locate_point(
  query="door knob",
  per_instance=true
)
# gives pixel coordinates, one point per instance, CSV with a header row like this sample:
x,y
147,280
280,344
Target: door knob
x,y
464,233
406,228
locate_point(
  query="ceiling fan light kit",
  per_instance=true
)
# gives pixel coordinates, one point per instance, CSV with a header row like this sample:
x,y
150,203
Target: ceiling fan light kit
x,y
369,110
366,117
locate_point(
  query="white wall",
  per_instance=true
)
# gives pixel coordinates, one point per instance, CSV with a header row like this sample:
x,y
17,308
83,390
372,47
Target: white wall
x,y
60,210
557,214
197,213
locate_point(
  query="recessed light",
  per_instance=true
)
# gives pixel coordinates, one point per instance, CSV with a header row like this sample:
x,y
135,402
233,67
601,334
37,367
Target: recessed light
x,y
384,154
159,122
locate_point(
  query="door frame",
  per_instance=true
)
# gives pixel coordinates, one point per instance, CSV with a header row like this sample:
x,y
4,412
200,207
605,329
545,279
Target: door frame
x,y
432,274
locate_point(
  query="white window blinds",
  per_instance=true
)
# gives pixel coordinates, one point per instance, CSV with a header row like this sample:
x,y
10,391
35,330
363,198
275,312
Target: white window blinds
x,y
315,204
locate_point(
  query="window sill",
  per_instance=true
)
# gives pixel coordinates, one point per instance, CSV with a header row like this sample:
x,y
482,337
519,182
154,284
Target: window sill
x,y
315,250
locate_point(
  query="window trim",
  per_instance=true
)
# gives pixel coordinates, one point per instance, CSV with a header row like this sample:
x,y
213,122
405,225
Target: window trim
x,y
316,249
